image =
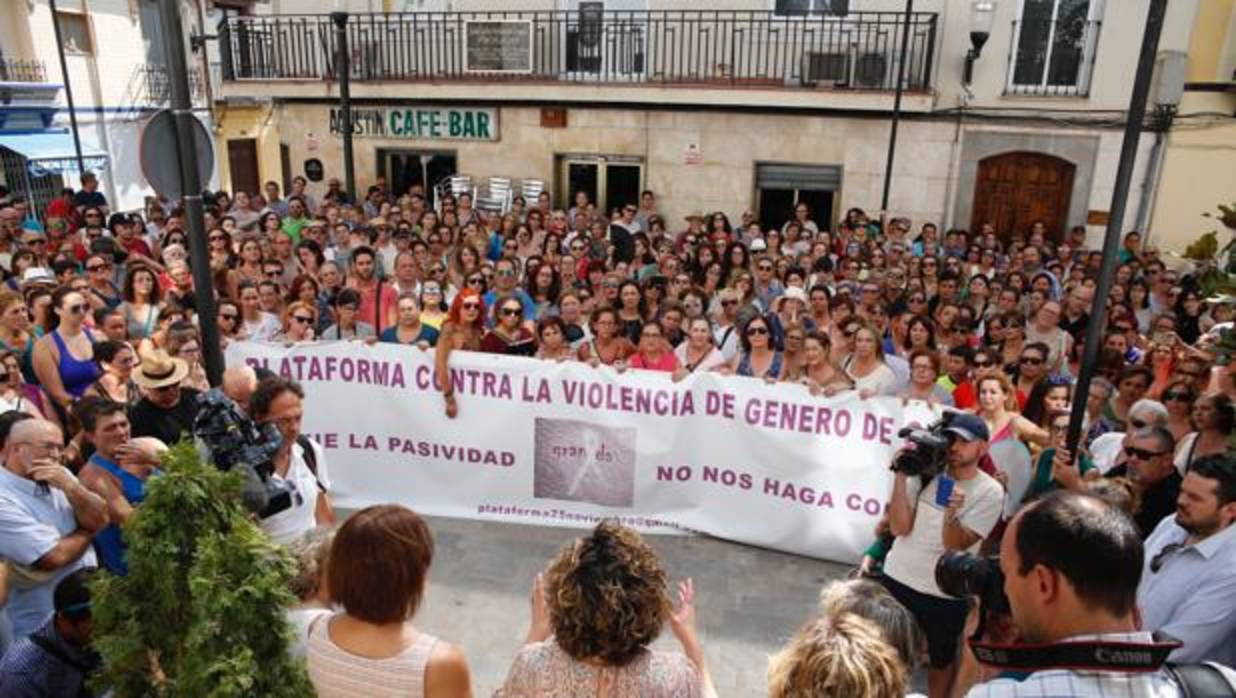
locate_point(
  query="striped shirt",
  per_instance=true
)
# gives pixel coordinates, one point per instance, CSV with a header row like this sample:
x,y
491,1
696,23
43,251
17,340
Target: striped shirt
x,y
337,673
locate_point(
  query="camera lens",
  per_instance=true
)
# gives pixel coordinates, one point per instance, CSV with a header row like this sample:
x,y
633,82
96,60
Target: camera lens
x,y
962,574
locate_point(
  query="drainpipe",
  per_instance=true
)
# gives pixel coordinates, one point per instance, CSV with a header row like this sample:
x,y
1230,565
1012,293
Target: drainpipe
x,y
1154,171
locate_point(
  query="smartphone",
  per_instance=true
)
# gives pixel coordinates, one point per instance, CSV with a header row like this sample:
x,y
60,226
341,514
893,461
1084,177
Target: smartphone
x,y
944,489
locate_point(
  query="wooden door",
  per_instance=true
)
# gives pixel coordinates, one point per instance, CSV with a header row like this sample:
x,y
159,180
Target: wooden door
x,y
243,164
1013,190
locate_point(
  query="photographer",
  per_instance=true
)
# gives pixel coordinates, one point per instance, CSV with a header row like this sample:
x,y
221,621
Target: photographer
x,y
954,511
1071,566
300,462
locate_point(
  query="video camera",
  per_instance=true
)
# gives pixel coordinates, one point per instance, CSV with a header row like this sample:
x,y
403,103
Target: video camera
x,y
930,448
231,440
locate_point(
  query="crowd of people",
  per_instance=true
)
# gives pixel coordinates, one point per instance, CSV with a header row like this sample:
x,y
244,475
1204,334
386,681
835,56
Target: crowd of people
x,y
102,369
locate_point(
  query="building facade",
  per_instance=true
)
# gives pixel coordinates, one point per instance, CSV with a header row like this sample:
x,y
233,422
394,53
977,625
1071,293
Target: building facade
x,y
114,54
751,107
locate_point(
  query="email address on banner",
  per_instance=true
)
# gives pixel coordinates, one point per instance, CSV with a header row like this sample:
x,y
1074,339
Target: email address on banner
x,y
560,515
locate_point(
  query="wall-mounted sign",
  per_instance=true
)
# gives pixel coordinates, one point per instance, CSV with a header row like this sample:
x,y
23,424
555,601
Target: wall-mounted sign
x,y
498,46
443,123
692,155
311,141
313,170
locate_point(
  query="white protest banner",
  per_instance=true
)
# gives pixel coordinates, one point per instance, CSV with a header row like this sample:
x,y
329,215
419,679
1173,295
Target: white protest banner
x,y
566,444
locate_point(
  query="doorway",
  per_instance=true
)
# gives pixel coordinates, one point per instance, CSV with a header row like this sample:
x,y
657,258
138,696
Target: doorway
x,y
781,186
242,165
1013,190
611,181
422,169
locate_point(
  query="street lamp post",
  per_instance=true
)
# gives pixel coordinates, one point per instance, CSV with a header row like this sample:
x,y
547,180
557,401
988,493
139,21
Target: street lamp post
x,y
1120,195
892,136
343,71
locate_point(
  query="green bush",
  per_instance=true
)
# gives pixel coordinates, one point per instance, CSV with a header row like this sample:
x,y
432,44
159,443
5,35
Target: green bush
x,y
201,612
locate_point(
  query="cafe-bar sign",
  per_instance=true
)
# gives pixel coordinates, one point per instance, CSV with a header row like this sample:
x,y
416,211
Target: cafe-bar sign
x,y
423,122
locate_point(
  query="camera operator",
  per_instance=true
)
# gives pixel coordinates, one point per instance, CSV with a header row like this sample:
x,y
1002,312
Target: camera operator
x,y
300,461
1071,564
1188,587
927,524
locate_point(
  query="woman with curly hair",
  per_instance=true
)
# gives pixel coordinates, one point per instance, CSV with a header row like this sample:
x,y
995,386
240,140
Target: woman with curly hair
x,y
595,611
844,655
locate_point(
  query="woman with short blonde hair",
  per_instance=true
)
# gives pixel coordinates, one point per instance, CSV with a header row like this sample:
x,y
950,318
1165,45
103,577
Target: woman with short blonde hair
x,y
844,656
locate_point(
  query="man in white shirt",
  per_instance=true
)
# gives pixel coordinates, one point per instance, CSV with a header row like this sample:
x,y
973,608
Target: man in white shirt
x,y
47,521
927,524
1071,565
1188,587
300,462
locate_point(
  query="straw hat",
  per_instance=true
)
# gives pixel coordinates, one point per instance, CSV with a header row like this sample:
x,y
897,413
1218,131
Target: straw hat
x,y
159,369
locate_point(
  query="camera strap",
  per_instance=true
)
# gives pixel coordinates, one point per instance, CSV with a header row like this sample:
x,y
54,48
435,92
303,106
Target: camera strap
x,y
1092,655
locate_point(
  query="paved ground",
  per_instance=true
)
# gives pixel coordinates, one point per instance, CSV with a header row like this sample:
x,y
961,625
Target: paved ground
x,y
749,600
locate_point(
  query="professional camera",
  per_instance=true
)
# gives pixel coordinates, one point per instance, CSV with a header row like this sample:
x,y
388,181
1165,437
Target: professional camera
x,y
963,575
231,440
929,448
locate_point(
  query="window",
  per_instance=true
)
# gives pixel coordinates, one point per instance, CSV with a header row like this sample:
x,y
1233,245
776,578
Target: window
x,y
793,8
781,186
75,32
1053,47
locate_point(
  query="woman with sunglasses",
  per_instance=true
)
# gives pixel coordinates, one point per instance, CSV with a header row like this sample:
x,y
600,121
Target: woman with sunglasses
x,y
1052,473
509,335
64,357
462,331
866,365
433,307
300,320
1178,398
116,361
1214,419
758,358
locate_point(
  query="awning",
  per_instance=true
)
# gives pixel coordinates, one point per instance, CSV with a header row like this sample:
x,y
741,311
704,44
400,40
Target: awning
x,y
52,152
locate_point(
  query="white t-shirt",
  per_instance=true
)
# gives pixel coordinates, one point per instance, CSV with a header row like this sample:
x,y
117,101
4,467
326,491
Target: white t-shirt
x,y
912,561
264,330
291,523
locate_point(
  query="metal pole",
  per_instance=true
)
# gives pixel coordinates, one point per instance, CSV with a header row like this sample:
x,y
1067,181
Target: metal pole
x,y
343,69
191,187
901,73
68,90
1120,196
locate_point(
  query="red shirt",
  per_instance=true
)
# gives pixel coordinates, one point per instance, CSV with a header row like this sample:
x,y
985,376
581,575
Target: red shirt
x,y
964,395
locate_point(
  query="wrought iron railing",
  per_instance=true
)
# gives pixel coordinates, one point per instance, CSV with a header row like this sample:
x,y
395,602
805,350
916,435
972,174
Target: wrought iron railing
x,y
718,47
22,70
158,91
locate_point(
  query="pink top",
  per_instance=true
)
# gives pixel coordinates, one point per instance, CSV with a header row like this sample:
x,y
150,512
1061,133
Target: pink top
x,y
543,670
337,673
668,362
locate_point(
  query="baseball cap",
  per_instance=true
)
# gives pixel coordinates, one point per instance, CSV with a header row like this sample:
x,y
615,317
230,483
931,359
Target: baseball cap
x,y
969,427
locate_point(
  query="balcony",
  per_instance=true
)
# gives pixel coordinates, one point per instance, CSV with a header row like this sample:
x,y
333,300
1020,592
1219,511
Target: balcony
x,y
154,89
22,70
857,53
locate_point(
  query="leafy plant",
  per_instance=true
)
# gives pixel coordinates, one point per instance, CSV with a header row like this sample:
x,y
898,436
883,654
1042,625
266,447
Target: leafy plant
x,y
1216,268
201,612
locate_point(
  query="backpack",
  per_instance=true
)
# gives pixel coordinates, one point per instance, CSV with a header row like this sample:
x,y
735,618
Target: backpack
x,y
1205,680
311,458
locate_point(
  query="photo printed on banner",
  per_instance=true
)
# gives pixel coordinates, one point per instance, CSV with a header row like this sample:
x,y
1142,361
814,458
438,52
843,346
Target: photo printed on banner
x,y
584,462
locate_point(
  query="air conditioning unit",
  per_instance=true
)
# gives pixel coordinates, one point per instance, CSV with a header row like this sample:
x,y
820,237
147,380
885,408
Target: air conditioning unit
x,y
829,68
871,71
